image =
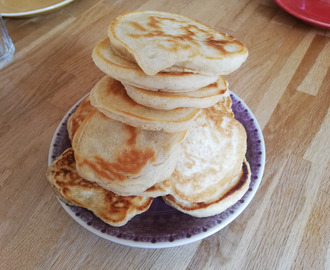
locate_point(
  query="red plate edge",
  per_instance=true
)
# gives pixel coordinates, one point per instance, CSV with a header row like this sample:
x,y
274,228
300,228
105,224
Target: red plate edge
x,y
291,7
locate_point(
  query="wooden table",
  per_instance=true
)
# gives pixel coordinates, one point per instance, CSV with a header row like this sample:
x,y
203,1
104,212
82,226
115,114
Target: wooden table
x,y
285,82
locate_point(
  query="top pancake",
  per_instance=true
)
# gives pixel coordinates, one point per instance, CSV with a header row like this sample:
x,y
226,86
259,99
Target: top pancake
x,y
130,73
160,41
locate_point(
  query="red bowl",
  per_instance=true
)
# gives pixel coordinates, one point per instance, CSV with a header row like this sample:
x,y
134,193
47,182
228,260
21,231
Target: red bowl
x,y
316,12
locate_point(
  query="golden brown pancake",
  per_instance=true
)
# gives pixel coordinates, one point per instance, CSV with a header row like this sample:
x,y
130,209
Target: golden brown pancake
x,y
224,106
72,189
212,155
130,73
216,205
78,116
161,41
200,98
122,158
109,97
157,190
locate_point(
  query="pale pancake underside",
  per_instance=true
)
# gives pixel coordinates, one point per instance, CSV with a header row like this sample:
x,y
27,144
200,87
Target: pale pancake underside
x,y
72,189
129,72
201,98
122,158
109,97
160,41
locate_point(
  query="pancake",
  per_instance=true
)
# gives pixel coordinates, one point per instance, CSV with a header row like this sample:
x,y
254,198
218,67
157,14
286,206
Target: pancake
x,y
78,116
240,185
201,98
109,97
224,106
129,72
122,158
72,189
161,41
156,190
212,155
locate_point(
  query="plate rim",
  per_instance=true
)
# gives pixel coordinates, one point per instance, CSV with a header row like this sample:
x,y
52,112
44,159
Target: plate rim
x,y
177,242
36,11
288,7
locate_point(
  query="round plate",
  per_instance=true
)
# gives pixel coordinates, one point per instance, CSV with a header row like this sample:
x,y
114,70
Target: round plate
x,y
162,226
316,12
25,8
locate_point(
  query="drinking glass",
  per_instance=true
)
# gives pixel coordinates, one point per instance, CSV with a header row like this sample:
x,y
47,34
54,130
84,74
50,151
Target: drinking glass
x,y
7,47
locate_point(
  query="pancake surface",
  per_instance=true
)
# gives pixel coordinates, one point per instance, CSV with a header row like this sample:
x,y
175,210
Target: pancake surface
x,y
201,98
160,41
109,97
72,189
212,155
122,158
130,73
78,116
240,185
159,124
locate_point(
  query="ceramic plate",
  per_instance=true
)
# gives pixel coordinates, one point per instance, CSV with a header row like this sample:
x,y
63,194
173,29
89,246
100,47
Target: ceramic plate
x,y
162,226
316,12
23,8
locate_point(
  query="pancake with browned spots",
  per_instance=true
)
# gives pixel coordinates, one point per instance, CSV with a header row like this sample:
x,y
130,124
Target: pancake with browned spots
x,y
200,98
211,157
109,97
130,73
122,158
78,116
239,186
160,41
72,189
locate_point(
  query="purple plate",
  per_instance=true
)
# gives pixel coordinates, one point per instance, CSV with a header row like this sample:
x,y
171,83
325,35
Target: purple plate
x,y
162,226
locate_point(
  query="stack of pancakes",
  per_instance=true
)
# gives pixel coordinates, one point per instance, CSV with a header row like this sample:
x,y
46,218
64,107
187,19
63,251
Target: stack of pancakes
x,y
158,124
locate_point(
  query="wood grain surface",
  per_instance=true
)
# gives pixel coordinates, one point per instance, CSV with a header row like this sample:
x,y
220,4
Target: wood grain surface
x,y
286,83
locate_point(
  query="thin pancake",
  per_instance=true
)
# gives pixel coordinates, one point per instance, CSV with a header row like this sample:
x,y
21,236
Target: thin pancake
x,y
201,98
78,116
109,97
218,204
129,72
212,155
72,189
122,158
156,190
160,41
224,106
